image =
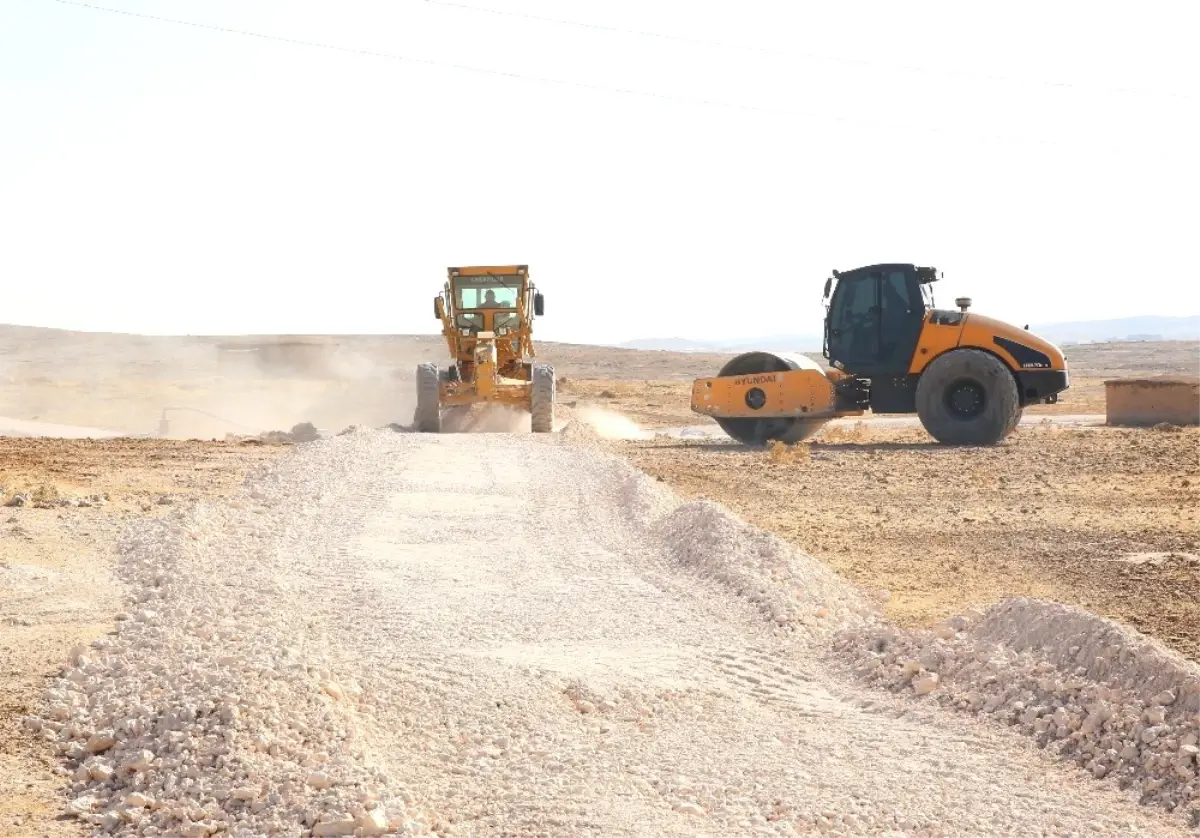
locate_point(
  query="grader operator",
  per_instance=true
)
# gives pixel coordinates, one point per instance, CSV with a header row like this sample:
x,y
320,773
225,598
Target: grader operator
x,y
486,314
966,376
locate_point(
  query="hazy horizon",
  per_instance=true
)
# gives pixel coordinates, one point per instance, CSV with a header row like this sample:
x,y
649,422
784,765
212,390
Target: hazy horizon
x,y
664,168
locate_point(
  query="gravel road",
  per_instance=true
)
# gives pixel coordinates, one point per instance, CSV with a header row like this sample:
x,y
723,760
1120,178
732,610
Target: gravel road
x,y
519,635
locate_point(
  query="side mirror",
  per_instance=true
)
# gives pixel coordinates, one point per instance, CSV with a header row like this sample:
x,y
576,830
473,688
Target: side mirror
x,y
439,308
539,304
828,285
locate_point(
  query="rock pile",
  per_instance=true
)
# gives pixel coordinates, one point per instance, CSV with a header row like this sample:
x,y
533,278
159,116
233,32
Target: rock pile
x,y
210,712
1117,704
301,433
48,497
792,590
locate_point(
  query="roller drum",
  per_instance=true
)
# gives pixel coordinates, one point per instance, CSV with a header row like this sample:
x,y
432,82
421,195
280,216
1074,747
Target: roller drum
x,y
761,431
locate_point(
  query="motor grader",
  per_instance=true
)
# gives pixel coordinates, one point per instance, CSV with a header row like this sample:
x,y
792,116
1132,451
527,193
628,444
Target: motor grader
x,y
891,350
487,315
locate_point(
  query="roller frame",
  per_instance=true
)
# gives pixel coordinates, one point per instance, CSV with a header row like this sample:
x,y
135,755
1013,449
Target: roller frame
x,y
758,397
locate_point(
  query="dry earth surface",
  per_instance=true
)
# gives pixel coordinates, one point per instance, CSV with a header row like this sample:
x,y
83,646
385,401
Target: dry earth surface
x,y
591,646
1102,518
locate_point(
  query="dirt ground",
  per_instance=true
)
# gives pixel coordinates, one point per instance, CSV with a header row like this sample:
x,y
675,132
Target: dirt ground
x,y
662,401
57,550
1105,518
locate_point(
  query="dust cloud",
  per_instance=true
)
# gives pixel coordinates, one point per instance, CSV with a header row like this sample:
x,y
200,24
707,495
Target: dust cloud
x,y
209,388
486,418
608,424
204,387
346,388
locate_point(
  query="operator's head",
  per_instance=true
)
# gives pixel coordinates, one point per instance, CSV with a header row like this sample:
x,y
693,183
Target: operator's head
x,y
489,296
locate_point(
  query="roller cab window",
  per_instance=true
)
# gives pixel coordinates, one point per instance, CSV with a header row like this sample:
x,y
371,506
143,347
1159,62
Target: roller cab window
x,y
874,320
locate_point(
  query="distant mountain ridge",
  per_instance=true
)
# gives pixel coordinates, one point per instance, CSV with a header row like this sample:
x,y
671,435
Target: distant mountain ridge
x,y
1149,327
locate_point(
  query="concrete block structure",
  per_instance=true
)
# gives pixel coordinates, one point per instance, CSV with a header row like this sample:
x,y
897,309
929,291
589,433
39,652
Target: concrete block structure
x,y
1173,399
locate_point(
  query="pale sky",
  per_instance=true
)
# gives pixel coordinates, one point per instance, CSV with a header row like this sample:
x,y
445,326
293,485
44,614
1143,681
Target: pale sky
x,y
170,179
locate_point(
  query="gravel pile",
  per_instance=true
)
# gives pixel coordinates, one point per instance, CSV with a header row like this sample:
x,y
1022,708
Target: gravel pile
x,y
1118,704
207,712
390,633
793,590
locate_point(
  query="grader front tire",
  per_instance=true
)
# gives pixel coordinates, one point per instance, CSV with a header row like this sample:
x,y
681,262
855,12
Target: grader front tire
x,y
542,397
968,397
428,414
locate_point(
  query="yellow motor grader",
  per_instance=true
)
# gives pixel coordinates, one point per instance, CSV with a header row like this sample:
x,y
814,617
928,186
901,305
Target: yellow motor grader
x,y
487,319
967,377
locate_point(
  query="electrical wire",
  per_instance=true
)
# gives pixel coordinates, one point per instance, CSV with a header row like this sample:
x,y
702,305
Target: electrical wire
x,y
687,100
889,66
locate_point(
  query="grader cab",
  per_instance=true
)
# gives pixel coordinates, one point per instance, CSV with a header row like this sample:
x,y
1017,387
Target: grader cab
x,y
487,319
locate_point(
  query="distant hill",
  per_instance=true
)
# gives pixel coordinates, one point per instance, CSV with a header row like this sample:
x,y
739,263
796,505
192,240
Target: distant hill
x,y
671,345
1152,327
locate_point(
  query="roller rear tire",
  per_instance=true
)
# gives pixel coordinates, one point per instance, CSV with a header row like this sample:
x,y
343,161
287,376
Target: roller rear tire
x,y
968,397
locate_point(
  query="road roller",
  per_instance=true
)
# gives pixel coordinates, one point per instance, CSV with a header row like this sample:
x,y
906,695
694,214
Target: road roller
x,y
890,350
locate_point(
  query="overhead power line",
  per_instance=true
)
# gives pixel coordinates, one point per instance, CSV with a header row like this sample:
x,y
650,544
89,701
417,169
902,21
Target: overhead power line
x,y
862,62
687,100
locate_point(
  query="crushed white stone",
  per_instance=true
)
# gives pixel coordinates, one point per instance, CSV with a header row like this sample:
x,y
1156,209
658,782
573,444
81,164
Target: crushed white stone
x,y
1115,702
392,634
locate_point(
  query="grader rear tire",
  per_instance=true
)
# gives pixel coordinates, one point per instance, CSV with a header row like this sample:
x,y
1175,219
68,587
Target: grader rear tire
x,y
541,406
428,417
968,397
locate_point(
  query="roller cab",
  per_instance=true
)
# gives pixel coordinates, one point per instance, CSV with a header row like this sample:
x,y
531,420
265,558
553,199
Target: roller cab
x,y
891,350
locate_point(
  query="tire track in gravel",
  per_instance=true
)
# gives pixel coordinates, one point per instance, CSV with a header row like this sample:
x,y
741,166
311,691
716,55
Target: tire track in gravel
x,y
536,663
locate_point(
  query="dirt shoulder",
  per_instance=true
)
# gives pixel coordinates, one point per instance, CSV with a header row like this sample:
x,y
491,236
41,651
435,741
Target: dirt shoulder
x,y
1102,518
666,403
70,503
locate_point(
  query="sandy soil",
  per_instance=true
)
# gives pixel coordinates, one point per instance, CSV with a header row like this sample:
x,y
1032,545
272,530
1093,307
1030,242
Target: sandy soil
x,y
1104,518
661,400
126,383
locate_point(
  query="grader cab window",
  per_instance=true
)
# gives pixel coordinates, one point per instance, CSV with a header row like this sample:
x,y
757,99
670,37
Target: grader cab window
x,y
474,292
469,320
506,321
